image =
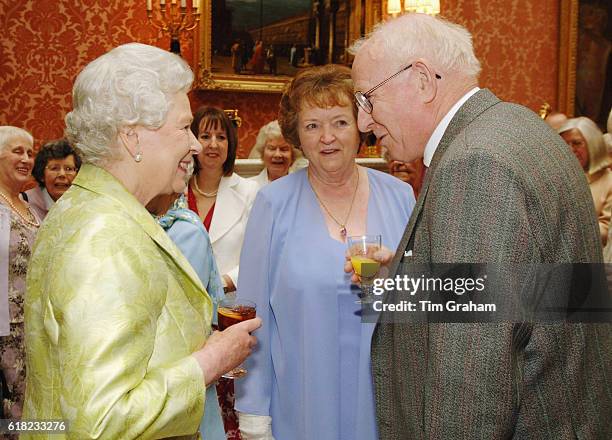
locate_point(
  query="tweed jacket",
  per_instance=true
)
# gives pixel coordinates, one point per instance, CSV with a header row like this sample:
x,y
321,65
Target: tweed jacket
x,y
502,188
113,313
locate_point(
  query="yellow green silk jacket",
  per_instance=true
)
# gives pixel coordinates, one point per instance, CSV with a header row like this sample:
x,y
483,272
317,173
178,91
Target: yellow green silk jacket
x,y
113,313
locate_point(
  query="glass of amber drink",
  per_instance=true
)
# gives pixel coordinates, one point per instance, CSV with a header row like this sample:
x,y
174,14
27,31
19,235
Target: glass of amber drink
x,y
232,311
361,249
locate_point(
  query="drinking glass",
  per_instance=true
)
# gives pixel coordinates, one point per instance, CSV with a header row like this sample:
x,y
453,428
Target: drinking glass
x,y
232,311
361,250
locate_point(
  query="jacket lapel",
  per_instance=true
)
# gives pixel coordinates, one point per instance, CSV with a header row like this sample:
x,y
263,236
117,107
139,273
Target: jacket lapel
x,y
469,111
228,208
102,182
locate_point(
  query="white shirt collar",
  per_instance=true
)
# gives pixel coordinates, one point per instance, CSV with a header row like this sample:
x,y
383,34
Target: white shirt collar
x,y
436,136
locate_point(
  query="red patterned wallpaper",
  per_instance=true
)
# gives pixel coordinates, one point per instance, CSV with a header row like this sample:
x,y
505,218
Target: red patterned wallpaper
x,y
517,44
46,42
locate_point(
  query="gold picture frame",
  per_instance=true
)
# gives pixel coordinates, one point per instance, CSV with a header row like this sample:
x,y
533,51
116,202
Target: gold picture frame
x,y
359,21
568,40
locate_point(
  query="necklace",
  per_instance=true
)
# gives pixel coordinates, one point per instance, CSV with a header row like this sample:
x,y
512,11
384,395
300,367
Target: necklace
x,y
32,221
341,224
209,195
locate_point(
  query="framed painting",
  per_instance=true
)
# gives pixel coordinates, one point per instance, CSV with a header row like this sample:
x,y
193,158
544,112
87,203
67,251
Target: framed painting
x,y
258,45
568,37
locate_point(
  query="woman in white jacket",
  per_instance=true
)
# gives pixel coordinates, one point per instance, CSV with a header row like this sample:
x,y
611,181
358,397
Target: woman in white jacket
x,y
219,196
223,201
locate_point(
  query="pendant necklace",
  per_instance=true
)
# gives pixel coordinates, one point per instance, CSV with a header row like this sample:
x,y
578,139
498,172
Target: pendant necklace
x,y
341,224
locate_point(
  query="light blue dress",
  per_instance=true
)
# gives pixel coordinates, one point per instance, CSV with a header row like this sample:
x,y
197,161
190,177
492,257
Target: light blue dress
x,y
311,368
185,229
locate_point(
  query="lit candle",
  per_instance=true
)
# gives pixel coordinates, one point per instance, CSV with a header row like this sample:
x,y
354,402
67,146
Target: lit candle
x,y
149,5
183,3
194,5
162,2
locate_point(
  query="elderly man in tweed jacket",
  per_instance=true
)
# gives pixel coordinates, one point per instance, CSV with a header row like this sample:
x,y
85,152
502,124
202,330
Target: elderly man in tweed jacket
x,y
500,188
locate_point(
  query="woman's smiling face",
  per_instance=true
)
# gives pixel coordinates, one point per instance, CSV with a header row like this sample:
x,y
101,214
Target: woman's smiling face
x,y
215,144
329,137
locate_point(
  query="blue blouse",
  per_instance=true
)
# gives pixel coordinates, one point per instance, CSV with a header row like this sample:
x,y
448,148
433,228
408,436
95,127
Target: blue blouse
x,y
311,368
185,229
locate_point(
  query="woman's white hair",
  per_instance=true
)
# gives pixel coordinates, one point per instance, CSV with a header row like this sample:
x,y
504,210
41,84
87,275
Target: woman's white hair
x,y
9,133
128,86
447,45
598,155
269,131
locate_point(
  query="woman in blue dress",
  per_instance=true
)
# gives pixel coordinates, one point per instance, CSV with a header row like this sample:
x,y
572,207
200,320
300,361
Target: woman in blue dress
x,y
309,377
186,230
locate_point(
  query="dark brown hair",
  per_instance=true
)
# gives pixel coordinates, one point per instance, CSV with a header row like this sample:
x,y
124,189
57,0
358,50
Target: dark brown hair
x,y
58,149
215,117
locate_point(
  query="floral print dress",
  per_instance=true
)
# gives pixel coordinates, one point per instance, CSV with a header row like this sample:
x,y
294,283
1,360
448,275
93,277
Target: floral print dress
x,y
12,348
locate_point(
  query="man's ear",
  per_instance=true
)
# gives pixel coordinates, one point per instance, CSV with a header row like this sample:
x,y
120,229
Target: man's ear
x,y
426,81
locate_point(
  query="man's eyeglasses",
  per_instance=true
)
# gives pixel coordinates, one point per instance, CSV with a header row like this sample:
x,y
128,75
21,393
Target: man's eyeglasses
x,y
56,169
363,99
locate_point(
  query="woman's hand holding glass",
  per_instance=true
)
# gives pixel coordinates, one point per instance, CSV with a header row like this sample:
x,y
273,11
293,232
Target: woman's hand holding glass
x,y
232,311
226,350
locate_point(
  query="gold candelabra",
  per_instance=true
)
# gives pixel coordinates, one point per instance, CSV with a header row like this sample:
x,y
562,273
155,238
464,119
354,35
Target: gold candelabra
x,y
174,17
232,114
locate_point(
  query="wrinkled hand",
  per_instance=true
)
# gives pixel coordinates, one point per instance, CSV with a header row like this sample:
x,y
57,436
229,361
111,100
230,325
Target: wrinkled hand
x,y
383,255
227,349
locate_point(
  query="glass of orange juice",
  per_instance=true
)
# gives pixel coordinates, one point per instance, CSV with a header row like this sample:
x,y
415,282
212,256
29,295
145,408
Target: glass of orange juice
x,y
361,250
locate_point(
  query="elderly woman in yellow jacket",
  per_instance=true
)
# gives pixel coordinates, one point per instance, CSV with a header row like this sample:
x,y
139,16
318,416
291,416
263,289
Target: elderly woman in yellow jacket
x,y
117,321
587,142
